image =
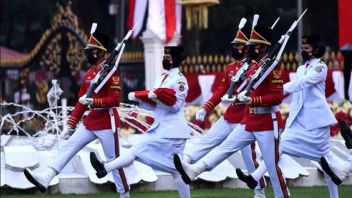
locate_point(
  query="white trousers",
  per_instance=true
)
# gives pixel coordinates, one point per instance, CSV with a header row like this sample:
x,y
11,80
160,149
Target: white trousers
x,y
214,137
309,144
240,138
80,138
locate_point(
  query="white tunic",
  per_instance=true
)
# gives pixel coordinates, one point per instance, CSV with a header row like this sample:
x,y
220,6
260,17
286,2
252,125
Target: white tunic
x,y
169,132
307,129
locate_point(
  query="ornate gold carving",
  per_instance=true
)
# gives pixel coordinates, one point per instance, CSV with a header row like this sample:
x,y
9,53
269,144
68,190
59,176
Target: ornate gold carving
x,y
64,18
74,56
52,55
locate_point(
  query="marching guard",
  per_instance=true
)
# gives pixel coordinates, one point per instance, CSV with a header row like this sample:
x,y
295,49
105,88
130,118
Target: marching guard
x,y
102,121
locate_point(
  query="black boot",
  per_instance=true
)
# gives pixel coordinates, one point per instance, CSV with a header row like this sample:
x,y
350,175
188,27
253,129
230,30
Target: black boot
x,y
346,134
248,179
97,165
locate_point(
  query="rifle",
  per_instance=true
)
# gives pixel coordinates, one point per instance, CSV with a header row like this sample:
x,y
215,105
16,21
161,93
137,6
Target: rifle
x,y
108,69
240,75
272,59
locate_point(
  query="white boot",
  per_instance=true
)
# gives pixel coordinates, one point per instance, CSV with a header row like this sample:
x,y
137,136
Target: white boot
x,y
193,170
125,195
338,170
41,181
189,171
259,193
186,159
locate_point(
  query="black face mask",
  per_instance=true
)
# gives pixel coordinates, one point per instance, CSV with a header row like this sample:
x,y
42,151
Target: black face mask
x,y
306,56
253,55
92,57
237,54
166,64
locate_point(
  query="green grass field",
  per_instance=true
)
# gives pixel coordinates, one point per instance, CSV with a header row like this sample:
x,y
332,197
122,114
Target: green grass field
x,y
308,192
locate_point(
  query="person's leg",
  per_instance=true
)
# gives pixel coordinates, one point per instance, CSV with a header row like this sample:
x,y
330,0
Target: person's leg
x,y
259,172
337,171
124,160
346,134
270,151
250,160
332,187
79,139
237,139
182,188
217,133
75,143
111,147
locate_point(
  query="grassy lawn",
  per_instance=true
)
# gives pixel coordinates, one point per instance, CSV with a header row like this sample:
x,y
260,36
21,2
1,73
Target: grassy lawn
x,y
309,192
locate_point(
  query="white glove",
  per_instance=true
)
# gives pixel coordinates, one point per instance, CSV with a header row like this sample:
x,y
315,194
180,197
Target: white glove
x,y
66,133
200,115
152,96
85,101
243,98
226,98
132,96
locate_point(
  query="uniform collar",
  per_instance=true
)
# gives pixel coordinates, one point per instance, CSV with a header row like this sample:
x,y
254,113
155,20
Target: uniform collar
x,y
173,71
312,61
98,66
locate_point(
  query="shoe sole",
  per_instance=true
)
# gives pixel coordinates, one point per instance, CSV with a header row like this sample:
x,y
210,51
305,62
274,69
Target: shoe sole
x,y
33,181
328,171
179,168
346,134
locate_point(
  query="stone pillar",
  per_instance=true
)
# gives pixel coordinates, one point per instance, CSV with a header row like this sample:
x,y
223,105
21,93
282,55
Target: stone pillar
x,y
153,56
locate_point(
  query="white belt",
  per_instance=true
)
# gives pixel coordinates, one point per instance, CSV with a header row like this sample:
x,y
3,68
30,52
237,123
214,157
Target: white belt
x,y
276,125
112,120
264,110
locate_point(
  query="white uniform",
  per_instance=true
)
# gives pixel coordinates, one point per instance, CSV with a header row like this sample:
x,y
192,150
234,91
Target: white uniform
x,y
170,130
166,136
307,131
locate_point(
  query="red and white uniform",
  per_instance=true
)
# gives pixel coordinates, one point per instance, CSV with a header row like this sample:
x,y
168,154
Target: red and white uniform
x,y
257,125
102,122
225,125
108,97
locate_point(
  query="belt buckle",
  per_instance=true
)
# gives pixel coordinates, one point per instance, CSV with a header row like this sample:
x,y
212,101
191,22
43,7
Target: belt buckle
x,y
253,110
